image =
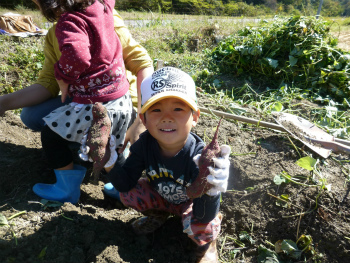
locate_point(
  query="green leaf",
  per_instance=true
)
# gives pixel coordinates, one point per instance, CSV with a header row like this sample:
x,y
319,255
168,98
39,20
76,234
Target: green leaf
x,y
292,61
277,107
272,62
285,197
266,255
307,163
49,203
243,235
42,253
305,242
39,65
290,248
236,109
282,203
3,220
279,179
217,83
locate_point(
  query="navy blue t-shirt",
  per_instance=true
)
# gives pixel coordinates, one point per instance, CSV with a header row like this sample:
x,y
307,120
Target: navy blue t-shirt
x,y
168,176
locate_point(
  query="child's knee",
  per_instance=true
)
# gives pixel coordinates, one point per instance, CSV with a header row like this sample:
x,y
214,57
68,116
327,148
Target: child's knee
x,y
142,197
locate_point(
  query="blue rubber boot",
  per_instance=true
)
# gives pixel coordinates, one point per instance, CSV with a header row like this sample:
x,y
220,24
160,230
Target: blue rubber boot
x,y
67,187
111,191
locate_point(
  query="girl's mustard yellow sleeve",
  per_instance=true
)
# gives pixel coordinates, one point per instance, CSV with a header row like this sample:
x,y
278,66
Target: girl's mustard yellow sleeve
x,y
135,56
52,54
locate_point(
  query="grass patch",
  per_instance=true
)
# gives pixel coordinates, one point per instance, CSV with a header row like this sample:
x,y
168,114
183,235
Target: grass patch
x,y
185,41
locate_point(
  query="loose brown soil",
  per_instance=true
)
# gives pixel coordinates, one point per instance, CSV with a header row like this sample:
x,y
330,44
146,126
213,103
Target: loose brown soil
x,y
98,230
344,40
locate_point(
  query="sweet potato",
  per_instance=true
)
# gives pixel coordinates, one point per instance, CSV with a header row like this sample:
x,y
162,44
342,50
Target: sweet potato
x,y
98,139
212,150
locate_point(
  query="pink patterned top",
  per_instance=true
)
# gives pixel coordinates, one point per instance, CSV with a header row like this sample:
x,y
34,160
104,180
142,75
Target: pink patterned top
x,y
92,59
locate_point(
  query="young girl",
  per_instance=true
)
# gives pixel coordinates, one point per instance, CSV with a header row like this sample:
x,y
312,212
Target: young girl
x,y
91,69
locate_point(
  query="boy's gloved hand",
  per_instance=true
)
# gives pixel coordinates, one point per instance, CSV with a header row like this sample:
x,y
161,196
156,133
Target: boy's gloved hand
x,y
114,154
218,176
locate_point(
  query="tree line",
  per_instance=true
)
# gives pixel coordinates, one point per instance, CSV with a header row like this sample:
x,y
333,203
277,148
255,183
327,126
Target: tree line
x,y
223,7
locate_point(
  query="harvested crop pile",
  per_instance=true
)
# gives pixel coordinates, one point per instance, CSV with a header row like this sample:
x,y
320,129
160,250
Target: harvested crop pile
x,y
295,51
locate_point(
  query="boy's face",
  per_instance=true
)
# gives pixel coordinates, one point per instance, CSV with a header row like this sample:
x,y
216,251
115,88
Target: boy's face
x,y
169,121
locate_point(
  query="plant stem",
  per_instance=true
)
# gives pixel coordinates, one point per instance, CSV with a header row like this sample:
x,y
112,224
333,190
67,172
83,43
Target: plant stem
x,y
15,215
307,212
242,154
294,146
14,236
291,180
280,199
68,218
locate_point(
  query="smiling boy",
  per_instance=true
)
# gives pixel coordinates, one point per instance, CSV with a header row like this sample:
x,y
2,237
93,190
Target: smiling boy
x,y
170,121
168,151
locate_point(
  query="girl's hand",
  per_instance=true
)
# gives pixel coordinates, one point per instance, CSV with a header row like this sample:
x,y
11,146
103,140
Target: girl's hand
x,y
64,89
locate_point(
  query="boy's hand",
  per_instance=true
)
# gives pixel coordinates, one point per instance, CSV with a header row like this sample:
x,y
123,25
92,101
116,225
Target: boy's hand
x,y
114,155
219,174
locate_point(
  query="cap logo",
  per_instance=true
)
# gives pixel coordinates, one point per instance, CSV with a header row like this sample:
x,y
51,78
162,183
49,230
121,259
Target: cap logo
x,y
158,84
168,80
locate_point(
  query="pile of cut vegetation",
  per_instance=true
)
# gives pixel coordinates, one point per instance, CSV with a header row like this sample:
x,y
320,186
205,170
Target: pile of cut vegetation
x,y
299,51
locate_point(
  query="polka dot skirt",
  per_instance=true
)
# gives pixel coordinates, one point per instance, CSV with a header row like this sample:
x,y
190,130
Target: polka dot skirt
x,y
70,124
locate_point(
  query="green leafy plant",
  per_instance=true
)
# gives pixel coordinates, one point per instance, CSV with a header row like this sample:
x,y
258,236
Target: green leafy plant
x,y
287,250
244,236
236,245
309,164
294,50
26,61
6,222
49,203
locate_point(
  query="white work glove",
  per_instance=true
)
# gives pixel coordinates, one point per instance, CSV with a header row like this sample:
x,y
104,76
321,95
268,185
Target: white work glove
x,y
114,154
219,174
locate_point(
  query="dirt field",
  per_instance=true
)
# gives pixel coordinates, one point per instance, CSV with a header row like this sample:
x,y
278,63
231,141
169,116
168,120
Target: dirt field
x,y
344,40
98,230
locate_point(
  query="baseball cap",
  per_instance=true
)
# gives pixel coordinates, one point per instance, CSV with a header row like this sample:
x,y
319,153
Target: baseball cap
x,y
168,82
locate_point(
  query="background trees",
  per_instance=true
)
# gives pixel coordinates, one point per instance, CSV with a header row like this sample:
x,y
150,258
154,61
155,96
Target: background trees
x,y
223,7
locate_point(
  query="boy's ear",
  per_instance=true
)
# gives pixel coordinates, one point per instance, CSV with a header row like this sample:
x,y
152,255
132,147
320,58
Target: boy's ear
x,y
195,115
143,119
